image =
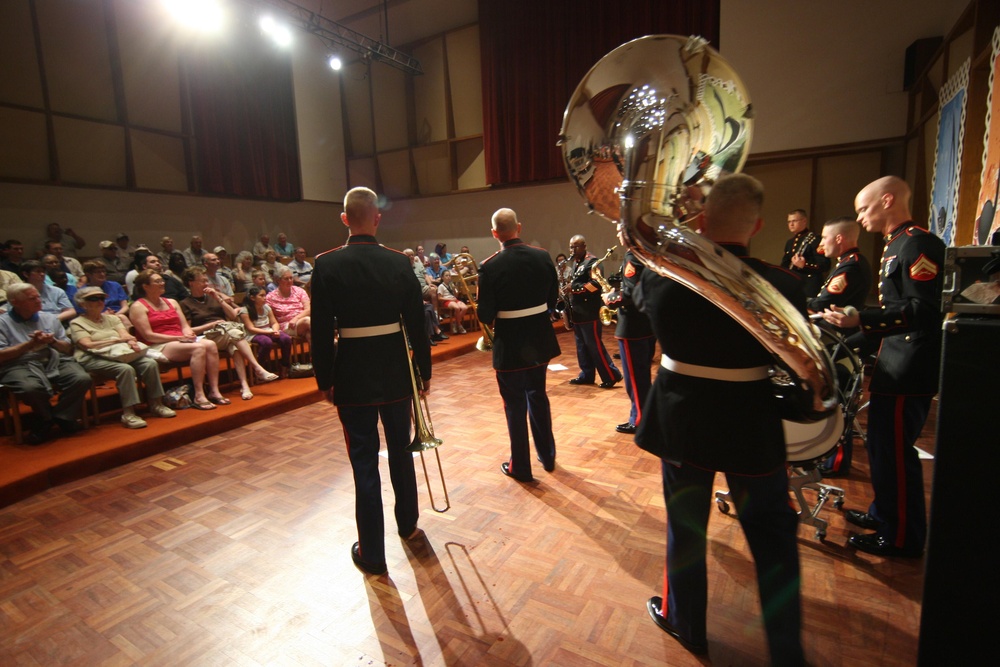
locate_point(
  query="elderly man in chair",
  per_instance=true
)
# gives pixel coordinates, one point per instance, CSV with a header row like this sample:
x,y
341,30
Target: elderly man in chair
x,y
36,361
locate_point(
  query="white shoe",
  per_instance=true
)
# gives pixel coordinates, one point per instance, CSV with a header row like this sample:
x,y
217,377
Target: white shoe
x,y
162,411
265,376
461,330
133,421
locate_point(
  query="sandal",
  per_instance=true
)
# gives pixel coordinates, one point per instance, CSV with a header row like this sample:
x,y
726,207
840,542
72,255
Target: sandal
x,y
219,400
266,376
202,406
246,395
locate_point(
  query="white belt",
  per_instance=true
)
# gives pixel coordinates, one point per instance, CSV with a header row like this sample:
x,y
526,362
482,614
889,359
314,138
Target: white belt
x,y
711,373
524,312
368,332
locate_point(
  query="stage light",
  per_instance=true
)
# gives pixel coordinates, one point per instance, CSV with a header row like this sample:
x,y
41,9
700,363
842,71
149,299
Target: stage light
x,y
278,32
335,63
200,15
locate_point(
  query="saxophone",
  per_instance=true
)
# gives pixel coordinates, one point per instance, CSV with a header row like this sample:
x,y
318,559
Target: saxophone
x,y
605,314
565,304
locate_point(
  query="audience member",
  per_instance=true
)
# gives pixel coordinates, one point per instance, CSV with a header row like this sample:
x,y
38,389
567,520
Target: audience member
x,y
51,263
259,279
300,268
114,265
67,264
422,256
97,330
13,255
117,301
435,270
125,250
290,304
270,265
72,242
167,245
261,247
194,255
448,298
283,247
160,323
242,272
259,320
215,278
177,264
212,314
225,262
35,362
441,250
54,300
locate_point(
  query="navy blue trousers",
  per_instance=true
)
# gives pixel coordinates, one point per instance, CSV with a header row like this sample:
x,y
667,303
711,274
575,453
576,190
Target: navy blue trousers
x,y
591,353
360,424
894,424
525,402
770,526
637,356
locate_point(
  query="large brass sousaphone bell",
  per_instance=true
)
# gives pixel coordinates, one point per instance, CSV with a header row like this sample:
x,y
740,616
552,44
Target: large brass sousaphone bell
x,y
654,117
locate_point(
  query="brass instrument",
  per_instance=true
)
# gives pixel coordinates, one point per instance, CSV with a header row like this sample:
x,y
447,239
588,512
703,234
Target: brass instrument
x,y
605,314
423,429
565,304
485,342
652,119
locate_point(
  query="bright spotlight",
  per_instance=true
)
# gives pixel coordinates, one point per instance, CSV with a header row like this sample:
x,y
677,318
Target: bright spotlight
x,y
278,32
267,25
200,15
335,63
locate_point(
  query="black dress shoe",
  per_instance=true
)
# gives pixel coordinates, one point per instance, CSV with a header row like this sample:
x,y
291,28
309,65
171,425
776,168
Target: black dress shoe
x,y
362,565
653,606
36,437
862,519
830,473
581,381
505,469
433,343
549,467
611,383
68,426
439,336
627,427
879,546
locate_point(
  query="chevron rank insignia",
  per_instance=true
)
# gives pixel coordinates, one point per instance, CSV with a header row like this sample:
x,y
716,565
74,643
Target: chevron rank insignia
x,y
837,285
923,269
629,270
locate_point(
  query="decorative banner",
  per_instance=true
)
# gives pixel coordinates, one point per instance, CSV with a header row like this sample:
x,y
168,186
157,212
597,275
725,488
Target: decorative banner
x,y
986,220
948,154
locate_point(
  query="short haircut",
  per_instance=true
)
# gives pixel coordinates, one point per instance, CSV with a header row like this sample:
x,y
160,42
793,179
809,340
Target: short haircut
x,y
799,211
243,255
360,205
734,203
847,226
191,273
93,266
504,221
16,291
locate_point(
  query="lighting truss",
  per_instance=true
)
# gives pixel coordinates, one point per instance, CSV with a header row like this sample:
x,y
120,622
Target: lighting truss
x,y
334,34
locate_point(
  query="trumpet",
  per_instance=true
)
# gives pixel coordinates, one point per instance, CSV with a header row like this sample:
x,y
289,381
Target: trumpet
x,y
423,429
605,314
485,342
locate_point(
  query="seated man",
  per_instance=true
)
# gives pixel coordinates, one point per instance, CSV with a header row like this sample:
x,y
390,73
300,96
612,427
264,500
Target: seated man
x,y
70,240
36,360
97,276
225,270
66,263
54,300
116,267
216,279
167,244
13,255
301,269
7,278
52,265
261,247
283,247
194,255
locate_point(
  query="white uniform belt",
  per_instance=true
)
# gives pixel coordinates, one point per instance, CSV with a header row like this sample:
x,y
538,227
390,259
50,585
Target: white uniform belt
x,y
524,312
711,373
368,332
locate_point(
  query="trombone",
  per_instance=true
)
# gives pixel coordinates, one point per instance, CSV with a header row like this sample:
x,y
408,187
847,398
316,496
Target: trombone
x,y
423,429
485,342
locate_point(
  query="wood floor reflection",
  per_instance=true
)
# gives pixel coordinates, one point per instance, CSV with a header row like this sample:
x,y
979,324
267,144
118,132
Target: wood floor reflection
x,y
234,550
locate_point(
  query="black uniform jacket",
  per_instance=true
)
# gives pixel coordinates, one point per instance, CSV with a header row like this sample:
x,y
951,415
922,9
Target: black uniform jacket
x,y
848,285
364,284
519,276
586,293
909,322
805,243
632,323
713,424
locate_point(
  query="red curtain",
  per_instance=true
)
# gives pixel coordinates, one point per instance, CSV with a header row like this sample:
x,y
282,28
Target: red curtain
x,y
535,52
243,121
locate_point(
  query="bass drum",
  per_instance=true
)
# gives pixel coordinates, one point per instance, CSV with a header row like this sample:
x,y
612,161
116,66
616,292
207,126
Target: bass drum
x,y
808,443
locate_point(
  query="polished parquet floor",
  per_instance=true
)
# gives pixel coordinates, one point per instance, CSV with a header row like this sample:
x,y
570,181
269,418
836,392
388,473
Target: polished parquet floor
x,y
234,550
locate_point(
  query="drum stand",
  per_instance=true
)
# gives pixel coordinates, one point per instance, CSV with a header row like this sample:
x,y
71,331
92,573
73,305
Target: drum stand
x,y
800,478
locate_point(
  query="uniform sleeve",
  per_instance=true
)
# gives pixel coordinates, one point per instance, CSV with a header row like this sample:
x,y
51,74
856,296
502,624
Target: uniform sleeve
x,y
324,352
486,305
413,316
918,270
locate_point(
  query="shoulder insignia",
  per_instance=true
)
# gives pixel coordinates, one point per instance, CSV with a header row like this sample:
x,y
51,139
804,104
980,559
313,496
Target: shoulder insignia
x,y
837,284
629,270
923,269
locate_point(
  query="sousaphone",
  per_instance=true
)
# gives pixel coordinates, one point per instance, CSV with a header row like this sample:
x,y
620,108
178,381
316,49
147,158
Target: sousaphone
x,y
654,117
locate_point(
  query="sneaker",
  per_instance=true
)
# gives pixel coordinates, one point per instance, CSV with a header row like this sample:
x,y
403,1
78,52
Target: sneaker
x,y
461,330
133,421
162,411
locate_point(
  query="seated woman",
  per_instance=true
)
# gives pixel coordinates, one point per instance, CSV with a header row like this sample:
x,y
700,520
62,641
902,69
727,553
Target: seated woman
x,y
98,329
290,304
259,321
243,273
448,297
159,323
270,265
205,309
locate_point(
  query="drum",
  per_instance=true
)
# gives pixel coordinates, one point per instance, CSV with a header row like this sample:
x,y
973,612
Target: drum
x,y
808,443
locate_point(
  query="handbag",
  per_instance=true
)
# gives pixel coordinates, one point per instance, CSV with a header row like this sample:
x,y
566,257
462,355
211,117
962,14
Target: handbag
x,y
120,352
225,334
300,371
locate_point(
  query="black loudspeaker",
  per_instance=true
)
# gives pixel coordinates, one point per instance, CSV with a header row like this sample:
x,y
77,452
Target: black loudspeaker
x,y
918,55
961,581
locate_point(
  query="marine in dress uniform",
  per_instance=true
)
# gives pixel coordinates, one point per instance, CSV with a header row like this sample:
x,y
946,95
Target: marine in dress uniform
x,y
591,354
712,408
518,288
905,377
801,256
362,289
848,285
636,341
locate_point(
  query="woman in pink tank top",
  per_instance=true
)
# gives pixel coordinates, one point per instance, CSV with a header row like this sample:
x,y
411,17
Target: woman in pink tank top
x,y
160,324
